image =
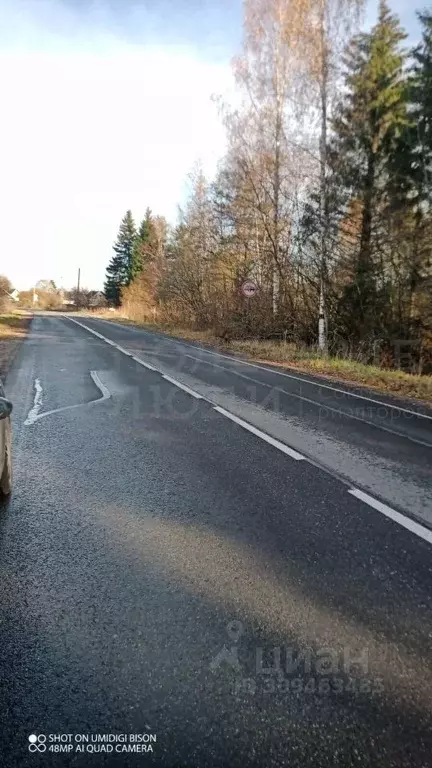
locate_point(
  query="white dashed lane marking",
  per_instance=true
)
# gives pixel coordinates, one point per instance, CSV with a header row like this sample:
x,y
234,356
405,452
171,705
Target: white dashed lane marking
x,y
268,439
325,407
406,522
270,370
183,387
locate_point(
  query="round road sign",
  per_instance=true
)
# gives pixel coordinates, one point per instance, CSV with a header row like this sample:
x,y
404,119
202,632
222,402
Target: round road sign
x,y
249,288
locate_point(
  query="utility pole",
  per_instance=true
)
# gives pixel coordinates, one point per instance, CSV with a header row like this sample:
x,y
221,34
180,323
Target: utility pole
x,y
78,289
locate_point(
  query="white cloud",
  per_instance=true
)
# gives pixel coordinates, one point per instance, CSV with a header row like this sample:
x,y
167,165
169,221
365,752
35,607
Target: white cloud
x,y
89,128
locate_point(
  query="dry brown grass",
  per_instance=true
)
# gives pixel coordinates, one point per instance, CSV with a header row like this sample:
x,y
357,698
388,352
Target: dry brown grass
x,y
370,376
189,334
13,329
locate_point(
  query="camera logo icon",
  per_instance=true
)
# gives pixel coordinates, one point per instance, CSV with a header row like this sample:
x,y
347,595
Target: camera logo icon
x,y
37,743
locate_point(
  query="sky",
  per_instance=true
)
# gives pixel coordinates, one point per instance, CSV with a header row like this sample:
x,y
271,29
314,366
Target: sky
x,y
106,106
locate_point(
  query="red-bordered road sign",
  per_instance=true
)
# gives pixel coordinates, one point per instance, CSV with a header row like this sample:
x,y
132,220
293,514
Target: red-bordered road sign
x,y
248,288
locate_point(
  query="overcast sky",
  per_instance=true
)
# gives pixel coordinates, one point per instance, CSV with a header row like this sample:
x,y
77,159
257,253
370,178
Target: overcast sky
x,y
106,106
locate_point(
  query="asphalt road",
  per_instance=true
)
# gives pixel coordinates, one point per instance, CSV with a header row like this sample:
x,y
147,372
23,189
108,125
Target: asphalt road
x,y
166,572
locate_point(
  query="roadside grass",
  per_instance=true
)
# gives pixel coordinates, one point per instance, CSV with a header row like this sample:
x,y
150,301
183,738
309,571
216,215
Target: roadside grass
x,y
12,325
205,336
380,379
13,329
287,355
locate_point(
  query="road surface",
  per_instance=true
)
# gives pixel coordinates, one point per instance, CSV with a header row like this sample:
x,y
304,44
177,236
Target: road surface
x,y
207,563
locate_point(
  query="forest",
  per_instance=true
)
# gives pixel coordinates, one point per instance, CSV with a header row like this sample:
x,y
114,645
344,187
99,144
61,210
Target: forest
x,y
323,197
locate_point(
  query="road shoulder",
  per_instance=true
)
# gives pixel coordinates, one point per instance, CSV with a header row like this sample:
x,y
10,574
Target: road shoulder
x,y
14,328
350,387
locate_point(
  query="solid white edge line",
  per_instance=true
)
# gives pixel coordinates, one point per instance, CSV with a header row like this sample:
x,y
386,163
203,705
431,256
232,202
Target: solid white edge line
x,y
182,386
397,517
392,514
271,440
313,402
271,370
317,384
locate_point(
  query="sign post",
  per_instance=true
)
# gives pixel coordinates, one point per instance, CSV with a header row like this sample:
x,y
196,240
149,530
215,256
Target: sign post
x,y
248,289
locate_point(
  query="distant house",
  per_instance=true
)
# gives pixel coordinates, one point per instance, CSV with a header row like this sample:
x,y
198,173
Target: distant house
x,y
6,296
96,299
48,286
14,295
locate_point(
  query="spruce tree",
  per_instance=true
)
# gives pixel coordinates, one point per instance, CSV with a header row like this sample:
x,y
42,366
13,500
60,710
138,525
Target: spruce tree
x,y
420,94
114,281
120,270
144,232
370,121
144,244
412,170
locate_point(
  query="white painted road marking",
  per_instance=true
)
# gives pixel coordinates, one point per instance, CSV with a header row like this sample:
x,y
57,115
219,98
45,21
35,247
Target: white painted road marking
x,y
271,440
316,384
398,517
406,522
37,404
105,391
183,387
34,414
138,360
326,407
146,365
269,370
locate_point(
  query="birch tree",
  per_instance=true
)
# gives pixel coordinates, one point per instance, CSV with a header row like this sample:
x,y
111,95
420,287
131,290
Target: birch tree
x,y
327,27
267,76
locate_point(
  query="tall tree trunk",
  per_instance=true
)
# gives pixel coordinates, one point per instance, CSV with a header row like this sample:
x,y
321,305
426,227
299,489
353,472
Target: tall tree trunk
x,y
364,265
279,82
322,318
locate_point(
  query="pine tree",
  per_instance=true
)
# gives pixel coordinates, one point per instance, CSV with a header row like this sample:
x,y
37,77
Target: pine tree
x,y
368,126
120,270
